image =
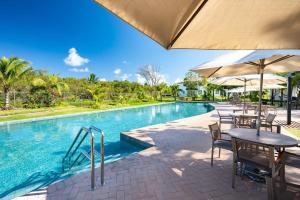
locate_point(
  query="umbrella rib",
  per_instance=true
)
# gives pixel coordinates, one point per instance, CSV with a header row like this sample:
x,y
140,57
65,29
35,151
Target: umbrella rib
x,y
186,24
281,81
252,63
240,79
279,59
214,72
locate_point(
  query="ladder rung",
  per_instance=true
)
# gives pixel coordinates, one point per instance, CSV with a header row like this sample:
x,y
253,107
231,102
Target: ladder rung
x,y
86,154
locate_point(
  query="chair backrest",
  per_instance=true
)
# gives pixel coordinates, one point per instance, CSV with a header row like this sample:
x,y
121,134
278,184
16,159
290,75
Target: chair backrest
x,y
270,118
215,131
244,121
288,185
253,149
265,110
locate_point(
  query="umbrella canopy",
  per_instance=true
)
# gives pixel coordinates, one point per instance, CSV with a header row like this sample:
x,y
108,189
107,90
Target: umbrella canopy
x,y
249,80
249,62
255,88
213,24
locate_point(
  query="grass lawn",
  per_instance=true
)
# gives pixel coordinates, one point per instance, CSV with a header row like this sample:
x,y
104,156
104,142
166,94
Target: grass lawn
x,y
7,115
294,131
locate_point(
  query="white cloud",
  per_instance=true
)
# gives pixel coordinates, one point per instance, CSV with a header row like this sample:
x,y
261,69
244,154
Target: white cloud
x,y
102,79
125,62
178,80
81,70
126,76
163,78
74,59
140,79
117,72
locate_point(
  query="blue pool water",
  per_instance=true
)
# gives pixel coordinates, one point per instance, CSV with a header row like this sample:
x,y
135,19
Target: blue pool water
x,y
31,153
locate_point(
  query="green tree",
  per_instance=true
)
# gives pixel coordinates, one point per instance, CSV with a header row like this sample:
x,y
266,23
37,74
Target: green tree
x,y
12,70
191,82
161,88
49,86
175,90
93,78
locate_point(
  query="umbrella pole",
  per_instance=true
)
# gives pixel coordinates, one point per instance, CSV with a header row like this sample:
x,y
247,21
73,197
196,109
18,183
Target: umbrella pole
x,y
261,71
244,96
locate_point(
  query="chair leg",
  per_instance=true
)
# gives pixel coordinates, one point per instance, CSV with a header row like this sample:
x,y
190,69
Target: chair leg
x,y
242,170
270,188
212,156
233,173
271,127
219,152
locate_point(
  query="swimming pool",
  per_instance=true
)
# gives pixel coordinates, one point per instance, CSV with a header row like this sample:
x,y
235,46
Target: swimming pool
x,y
31,152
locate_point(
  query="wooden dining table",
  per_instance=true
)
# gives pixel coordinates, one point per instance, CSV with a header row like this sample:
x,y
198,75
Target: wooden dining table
x,y
265,137
275,140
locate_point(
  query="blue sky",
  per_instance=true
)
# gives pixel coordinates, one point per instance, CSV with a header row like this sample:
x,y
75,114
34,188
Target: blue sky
x,y
47,32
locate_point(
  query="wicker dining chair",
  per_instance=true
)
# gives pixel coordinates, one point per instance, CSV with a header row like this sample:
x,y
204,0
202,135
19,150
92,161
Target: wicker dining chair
x,y
268,121
254,154
218,140
224,118
264,110
288,185
244,122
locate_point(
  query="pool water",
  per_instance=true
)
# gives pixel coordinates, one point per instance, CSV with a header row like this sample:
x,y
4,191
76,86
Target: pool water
x,y
31,152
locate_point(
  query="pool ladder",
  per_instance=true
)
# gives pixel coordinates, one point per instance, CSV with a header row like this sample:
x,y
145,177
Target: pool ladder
x,y
81,155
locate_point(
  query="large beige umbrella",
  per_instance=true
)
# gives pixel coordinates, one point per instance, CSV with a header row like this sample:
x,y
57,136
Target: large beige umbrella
x,y
255,88
249,80
250,62
213,24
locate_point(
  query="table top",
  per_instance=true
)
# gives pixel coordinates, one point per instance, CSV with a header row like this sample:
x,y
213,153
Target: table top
x,y
221,108
265,137
243,115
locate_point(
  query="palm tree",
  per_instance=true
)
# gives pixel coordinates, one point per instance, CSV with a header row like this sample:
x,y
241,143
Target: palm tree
x,y
161,88
175,90
11,70
92,78
52,83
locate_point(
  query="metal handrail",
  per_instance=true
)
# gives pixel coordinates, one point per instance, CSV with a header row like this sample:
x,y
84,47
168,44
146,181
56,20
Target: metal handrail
x,y
70,153
101,151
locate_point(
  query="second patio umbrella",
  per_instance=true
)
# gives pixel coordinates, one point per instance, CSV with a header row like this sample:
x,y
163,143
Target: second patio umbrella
x,y
249,80
249,62
255,88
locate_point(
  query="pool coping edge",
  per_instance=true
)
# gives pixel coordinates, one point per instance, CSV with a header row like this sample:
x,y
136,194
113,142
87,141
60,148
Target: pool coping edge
x,y
20,121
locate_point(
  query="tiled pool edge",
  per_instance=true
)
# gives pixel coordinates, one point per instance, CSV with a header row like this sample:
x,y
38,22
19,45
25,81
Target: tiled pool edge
x,y
126,136
74,114
143,140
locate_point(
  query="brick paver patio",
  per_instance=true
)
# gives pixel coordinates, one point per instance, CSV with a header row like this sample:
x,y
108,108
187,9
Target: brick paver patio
x,y
176,168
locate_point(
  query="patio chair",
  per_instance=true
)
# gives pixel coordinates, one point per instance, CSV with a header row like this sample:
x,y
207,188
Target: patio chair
x,y
244,122
256,155
264,110
225,118
268,121
288,185
218,141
